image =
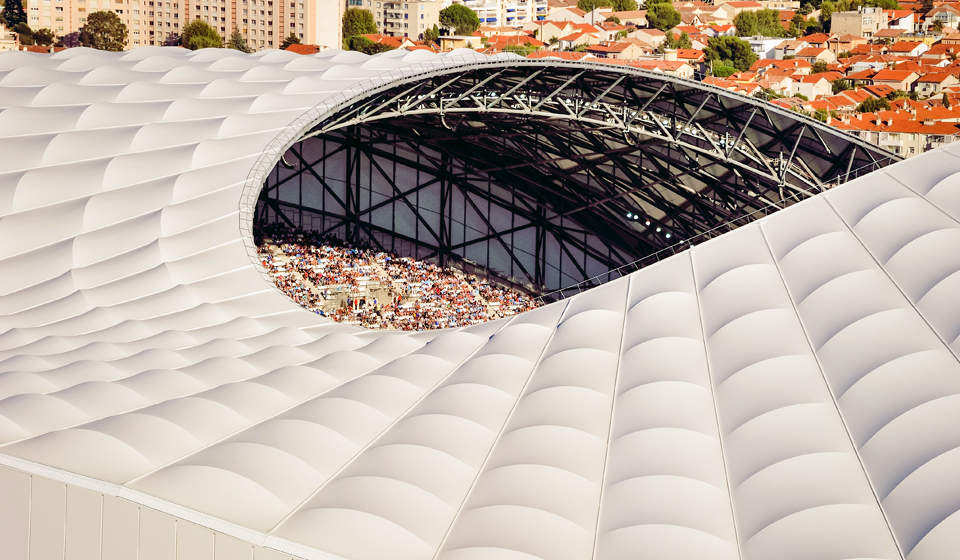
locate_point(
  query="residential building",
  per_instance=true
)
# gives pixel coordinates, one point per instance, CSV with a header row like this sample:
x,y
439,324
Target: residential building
x,y
409,19
811,87
946,14
9,41
813,55
908,48
864,23
932,83
264,23
897,79
846,43
763,47
901,19
789,48
624,50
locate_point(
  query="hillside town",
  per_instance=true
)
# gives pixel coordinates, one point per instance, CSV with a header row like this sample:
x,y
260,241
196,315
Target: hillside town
x,y
880,69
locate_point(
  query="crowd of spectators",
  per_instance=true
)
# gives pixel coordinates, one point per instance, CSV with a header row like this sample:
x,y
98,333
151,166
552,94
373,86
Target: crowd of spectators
x,y
375,289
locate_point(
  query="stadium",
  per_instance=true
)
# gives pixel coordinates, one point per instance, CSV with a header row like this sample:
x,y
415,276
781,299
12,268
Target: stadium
x,y
747,348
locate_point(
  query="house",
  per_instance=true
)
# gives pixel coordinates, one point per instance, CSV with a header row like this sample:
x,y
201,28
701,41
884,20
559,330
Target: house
x,y
763,47
908,48
794,66
845,43
394,42
738,7
891,35
673,67
624,50
879,90
896,79
727,30
451,42
902,20
811,87
864,23
650,36
790,48
305,49
818,40
951,39
941,52
946,14
933,83
690,56
573,15
812,55
863,77
636,18
578,38
9,41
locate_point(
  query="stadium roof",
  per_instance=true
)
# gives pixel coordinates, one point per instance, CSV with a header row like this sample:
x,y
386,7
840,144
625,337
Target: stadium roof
x,y
787,390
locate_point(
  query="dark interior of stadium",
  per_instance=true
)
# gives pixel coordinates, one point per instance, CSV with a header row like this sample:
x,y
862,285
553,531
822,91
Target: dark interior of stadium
x,y
551,174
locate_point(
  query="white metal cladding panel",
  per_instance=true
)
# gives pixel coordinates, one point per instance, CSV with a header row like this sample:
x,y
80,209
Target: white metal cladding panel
x,y
798,487
48,510
398,498
84,516
891,375
665,490
538,494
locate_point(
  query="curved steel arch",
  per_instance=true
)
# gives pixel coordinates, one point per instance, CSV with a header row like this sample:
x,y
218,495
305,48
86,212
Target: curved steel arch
x,y
549,173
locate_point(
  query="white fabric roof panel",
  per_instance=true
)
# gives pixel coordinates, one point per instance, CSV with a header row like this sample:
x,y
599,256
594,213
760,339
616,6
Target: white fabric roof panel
x,y
790,390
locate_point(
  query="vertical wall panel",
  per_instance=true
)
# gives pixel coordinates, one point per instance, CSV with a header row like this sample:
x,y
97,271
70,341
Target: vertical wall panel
x,y
48,507
120,524
14,513
193,542
84,517
158,536
229,548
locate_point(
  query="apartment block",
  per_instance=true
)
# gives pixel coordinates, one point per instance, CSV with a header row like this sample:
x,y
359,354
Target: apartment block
x,y
402,19
863,23
264,23
501,13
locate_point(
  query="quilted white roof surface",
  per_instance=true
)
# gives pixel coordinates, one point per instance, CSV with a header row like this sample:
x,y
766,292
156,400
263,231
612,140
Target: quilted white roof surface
x,y
790,390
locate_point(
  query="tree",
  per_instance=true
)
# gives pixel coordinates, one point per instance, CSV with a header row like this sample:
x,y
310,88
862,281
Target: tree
x,y
840,85
722,71
553,41
674,42
873,105
107,32
24,33
291,39
460,18
624,5
172,40
826,12
927,5
360,43
522,50
663,16
821,115
238,43
591,5
432,35
612,19
900,94
730,51
198,34
762,22
937,26
44,37
946,101
818,67
357,21
13,13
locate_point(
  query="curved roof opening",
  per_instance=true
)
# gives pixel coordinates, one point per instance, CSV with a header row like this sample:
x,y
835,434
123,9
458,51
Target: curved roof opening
x,y
550,175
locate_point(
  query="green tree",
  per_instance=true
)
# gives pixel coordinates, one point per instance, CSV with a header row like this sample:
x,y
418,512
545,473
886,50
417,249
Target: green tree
x,y
25,34
674,42
927,5
762,22
826,12
107,32
237,42
746,24
937,26
663,16
900,94
13,13
624,5
818,67
591,5
612,19
730,51
360,43
291,39
460,18
522,50
432,35
873,105
821,115
44,37
946,101
722,71
840,85
198,34
806,9
553,41
357,21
